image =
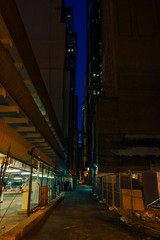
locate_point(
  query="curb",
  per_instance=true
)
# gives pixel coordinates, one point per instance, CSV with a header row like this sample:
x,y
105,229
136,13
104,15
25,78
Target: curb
x,y
29,223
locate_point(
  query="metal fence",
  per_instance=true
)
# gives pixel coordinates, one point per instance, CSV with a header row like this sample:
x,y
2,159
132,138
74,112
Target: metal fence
x,y
125,193
123,190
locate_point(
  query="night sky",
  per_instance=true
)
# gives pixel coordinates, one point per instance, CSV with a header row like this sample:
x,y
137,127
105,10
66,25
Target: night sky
x,y
79,12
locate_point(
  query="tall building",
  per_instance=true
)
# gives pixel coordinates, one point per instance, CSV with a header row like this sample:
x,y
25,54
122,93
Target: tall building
x,y
123,122
55,49
46,34
28,80
84,137
93,83
79,158
70,66
35,89
71,46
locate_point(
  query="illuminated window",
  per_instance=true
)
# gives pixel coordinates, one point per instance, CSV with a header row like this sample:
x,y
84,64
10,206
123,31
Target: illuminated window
x,y
135,176
94,74
94,92
97,74
69,50
98,92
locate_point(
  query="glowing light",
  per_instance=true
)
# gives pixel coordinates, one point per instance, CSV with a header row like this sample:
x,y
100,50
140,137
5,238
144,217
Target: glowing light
x,y
13,170
25,173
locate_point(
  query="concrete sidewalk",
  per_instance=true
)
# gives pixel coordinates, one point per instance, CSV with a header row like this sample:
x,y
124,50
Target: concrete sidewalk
x,y
26,225
81,217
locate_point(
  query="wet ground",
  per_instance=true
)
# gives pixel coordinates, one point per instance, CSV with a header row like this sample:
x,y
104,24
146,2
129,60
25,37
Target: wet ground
x,y
80,217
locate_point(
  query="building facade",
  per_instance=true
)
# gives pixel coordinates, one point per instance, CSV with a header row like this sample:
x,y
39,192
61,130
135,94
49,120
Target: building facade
x,y
125,117
70,66
93,83
55,49
34,101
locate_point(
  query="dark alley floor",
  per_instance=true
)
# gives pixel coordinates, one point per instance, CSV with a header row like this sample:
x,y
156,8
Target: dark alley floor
x,y
80,217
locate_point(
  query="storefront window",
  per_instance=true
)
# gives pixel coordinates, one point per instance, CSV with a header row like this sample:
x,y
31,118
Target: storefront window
x,y
45,186
14,197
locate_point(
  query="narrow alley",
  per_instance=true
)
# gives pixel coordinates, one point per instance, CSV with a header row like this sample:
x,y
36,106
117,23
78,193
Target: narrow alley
x,y
80,217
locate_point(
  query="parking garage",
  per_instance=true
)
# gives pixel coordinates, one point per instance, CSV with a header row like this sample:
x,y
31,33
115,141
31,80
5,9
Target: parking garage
x,y
26,188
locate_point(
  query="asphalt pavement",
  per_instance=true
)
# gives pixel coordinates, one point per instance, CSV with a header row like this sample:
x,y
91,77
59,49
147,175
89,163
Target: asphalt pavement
x,y
80,217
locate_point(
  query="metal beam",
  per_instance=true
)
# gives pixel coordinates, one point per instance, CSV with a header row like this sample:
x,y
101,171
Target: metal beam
x,y
6,109
37,140
25,129
32,135
46,148
42,144
48,151
11,120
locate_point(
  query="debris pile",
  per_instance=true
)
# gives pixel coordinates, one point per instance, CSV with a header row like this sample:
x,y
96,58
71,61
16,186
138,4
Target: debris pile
x,y
147,221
